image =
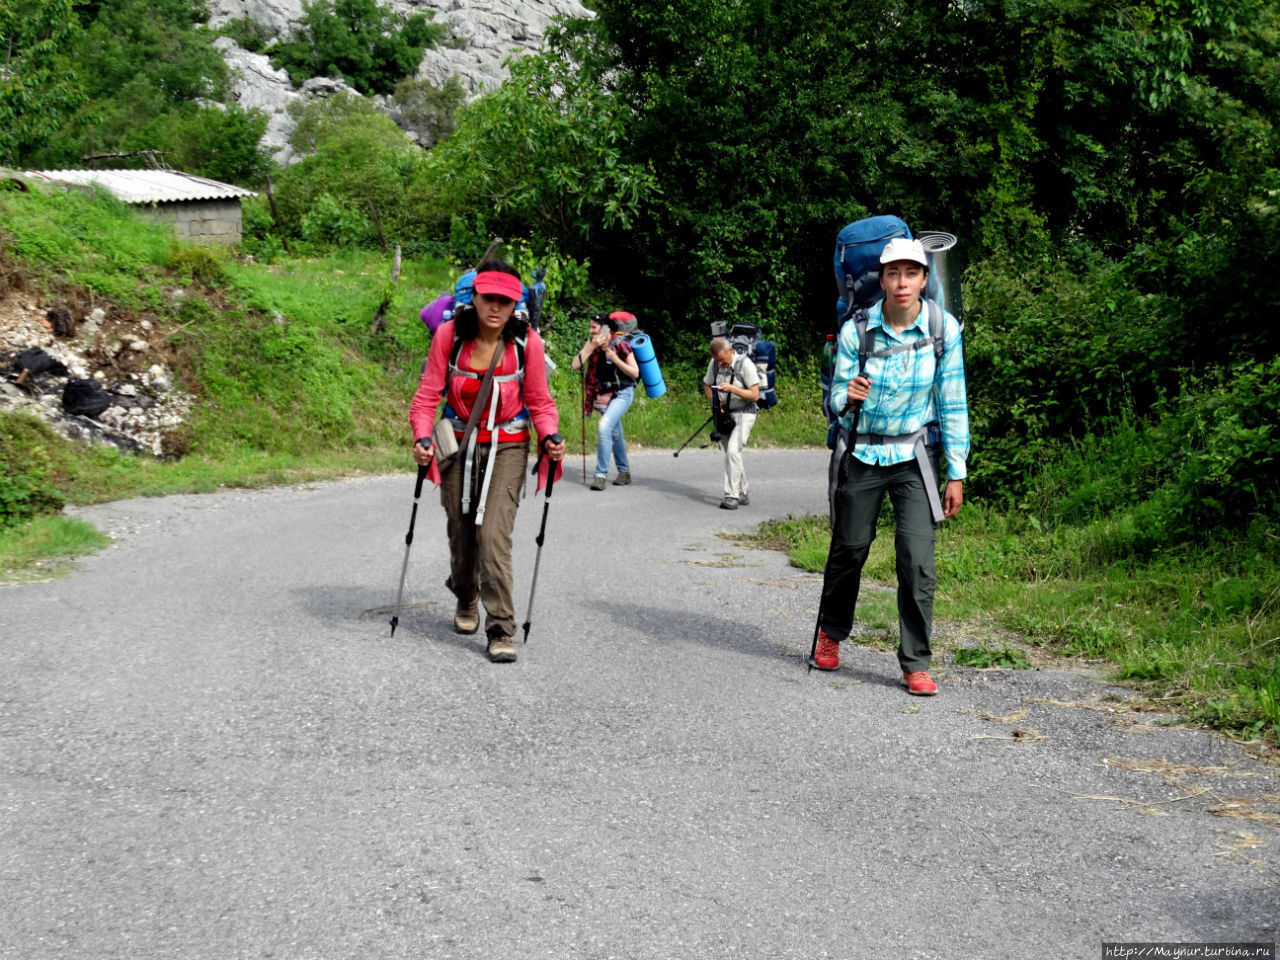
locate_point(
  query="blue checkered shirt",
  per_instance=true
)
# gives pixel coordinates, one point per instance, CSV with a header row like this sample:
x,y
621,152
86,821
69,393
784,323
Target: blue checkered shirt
x,y
907,392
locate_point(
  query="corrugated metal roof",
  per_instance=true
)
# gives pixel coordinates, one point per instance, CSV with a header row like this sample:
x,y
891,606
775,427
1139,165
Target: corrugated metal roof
x,y
148,186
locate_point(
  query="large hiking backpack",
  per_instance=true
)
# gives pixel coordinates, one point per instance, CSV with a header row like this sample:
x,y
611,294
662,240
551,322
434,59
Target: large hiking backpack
x,y
745,340
531,301
857,262
857,267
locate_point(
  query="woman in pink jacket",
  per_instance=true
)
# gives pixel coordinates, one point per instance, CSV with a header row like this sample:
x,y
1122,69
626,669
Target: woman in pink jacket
x,y
480,485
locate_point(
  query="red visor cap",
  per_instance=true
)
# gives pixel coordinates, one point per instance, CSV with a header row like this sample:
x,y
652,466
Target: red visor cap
x,y
500,284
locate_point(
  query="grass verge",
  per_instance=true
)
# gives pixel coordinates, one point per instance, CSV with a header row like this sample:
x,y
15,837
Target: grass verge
x,y
45,548
1200,630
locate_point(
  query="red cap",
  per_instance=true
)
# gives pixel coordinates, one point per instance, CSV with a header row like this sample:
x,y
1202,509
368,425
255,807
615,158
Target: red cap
x,y
497,282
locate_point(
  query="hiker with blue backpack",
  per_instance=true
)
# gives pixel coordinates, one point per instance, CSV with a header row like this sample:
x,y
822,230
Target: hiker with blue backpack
x,y
898,390
490,366
609,386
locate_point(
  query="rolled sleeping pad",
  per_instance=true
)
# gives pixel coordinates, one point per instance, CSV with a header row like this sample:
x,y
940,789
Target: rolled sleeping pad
x,y
944,272
766,358
437,312
650,373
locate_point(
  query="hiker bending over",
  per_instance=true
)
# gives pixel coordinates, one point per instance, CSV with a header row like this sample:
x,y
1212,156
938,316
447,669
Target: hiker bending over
x,y
609,387
913,410
491,369
733,387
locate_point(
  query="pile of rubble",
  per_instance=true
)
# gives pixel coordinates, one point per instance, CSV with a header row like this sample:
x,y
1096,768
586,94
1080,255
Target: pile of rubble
x,y
103,376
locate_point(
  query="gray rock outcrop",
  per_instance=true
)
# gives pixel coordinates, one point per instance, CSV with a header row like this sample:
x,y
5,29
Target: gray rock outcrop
x,y
482,35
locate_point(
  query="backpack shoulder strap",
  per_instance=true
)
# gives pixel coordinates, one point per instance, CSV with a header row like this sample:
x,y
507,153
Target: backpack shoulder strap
x,y
866,340
937,329
454,354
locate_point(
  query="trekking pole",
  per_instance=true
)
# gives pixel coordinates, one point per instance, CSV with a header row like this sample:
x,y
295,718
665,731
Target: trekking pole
x,y
582,415
408,542
694,434
542,530
842,474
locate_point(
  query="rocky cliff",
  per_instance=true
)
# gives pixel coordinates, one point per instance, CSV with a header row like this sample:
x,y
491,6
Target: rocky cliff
x,y
482,35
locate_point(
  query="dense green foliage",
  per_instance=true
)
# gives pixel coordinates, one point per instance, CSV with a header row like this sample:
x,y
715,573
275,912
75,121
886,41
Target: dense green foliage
x,y
39,85
545,154
145,79
27,487
1111,169
353,179
361,41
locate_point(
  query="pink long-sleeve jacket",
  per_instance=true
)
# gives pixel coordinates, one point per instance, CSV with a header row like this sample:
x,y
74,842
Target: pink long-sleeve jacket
x,y
513,395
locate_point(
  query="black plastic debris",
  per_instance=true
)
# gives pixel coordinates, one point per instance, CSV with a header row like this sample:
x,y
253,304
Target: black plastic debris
x,y
34,360
85,398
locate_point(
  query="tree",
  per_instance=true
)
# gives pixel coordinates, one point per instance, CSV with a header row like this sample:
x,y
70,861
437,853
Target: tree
x,y
427,111
39,85
361,41
154,82
544,154
359,160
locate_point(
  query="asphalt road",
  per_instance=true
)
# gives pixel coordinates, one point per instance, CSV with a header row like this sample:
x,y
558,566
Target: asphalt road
x,y
212,748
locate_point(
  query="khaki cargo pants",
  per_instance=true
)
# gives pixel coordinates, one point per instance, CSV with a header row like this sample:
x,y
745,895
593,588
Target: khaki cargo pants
x,y
480,557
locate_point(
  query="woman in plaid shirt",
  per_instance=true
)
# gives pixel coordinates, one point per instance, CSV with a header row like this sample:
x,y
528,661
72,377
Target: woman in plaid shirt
x,y
911,414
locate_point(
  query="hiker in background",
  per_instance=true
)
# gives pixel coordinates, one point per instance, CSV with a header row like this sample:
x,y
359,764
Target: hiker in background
x,y
912,412
609,388
732,384
484,350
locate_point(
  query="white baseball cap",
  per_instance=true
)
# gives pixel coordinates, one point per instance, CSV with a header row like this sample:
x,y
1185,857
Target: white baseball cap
x,y
900,248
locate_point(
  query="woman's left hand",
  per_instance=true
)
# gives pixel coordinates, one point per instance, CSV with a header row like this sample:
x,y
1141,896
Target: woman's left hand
x,y
555,451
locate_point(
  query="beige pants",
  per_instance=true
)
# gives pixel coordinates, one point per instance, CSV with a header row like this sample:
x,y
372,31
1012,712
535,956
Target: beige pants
x,y
735,474
480,557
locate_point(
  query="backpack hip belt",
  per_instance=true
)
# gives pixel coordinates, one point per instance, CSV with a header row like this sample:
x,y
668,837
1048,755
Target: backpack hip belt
x,y
919,447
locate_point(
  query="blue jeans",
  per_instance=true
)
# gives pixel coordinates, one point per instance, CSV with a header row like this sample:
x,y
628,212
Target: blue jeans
x,y
609,436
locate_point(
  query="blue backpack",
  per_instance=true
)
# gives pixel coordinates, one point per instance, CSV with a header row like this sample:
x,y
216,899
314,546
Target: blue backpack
x,y
857,262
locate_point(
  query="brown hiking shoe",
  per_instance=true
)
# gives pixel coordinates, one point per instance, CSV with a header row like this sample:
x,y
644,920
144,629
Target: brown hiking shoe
x,y
622,479
466,617
502,650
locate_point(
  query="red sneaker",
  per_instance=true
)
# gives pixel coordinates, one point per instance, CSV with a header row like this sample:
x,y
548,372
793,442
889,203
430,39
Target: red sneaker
x,y
826,656
920,683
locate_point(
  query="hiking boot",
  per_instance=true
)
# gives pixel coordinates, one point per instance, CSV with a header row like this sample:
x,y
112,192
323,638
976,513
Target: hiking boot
x,y
743,500
622,479
597,483
919,683
466,617
826,655
502,650
729,503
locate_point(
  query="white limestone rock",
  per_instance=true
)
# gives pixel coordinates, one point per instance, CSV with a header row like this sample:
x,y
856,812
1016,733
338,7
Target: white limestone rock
x,y
482,35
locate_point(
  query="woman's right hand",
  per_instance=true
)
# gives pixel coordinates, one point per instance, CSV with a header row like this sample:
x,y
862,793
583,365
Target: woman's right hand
x,y
422,455
859,389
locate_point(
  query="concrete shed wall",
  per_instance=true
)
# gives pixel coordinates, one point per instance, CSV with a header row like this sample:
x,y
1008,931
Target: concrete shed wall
x,y
202,221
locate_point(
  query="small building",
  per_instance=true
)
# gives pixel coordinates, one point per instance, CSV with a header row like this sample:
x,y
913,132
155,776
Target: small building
x,y
200,210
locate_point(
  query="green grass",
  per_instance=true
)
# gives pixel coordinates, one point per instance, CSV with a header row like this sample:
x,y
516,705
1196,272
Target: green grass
x,y
1200,628
45,548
